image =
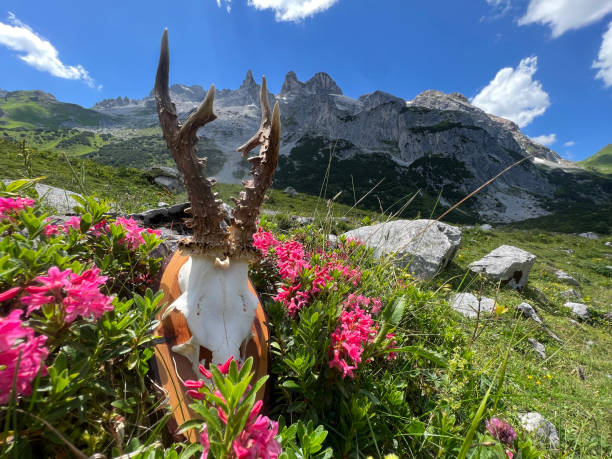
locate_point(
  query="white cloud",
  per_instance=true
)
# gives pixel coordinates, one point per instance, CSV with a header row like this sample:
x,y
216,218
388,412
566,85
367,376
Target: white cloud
x,y
38,52
287,10
513,94
500,6
546,140
569,143
564,15
604,60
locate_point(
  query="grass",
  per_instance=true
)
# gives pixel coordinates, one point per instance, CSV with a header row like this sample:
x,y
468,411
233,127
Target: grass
x,y
600,161
579,408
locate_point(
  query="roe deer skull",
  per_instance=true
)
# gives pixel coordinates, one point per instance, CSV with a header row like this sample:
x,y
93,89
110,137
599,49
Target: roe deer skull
x,y
215,300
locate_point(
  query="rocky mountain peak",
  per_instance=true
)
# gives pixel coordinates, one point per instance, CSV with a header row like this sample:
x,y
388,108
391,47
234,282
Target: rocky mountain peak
x,y
322,83
291,83
376,98
249,81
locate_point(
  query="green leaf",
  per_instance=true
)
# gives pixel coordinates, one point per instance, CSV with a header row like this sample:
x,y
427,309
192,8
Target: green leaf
x,y
432,356
191,450
291,385
394,312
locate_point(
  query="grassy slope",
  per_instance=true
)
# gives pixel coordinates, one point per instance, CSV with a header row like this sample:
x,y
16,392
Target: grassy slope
x,y
131,189
600,161
36,109
579,408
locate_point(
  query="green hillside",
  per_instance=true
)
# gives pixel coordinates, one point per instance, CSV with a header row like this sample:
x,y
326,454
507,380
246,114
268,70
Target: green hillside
x,y
600,161
38,109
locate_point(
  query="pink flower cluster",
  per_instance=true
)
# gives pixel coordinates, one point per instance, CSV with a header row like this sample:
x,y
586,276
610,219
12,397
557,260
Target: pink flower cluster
x,y
77,295
52,230
257,439
293,263
356,330
133,238
12,205
19,346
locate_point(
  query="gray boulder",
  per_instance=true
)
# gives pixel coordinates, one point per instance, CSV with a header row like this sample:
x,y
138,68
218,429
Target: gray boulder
x,y
578,309
290,191
58,198
529,312
571,293
168,177
535,422
589,235
506,263
486,227
565,277
538,348
468,305
425,246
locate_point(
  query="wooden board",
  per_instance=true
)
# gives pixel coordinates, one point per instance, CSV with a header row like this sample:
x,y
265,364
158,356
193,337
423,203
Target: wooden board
x,y
173,368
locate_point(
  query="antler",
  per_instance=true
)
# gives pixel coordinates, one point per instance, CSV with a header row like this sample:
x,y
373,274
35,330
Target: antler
x,y
243,223
209,230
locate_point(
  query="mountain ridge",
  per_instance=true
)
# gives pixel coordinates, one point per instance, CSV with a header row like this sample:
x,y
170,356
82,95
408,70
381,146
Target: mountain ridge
x,y
436,144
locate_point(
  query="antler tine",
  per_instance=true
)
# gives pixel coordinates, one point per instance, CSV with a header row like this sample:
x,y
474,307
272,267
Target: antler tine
x,y
209,233
258,139
262,168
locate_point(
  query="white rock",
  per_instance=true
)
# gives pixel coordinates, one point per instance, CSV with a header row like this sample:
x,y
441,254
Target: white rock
x,y
506,263
565,277
608,243
426,246
578,309
468,305
486,227
528,311
290,191
538,348
535,422
589,235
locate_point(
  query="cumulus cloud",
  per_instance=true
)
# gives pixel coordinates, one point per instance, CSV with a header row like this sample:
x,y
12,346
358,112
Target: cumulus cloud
x,y
287,10
564,15
604,60
569,143
546,140
514,94
38,52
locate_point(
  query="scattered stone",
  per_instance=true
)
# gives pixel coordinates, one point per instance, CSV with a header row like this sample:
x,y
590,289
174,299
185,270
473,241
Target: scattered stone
x,y
529,312
290,191
535,422
538,348
608,243
539,295
169,245
425,246
571,293
568,251
578,309
589,342
332,240
506,263
565,277
589,235
163,215
303,221
468,305
168,177
486,227
163,204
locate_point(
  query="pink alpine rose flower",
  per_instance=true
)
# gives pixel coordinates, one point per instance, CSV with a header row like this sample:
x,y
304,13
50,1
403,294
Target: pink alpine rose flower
x,y
21,353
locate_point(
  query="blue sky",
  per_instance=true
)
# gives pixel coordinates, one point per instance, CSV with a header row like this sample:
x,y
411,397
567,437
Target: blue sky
x,y
546,64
